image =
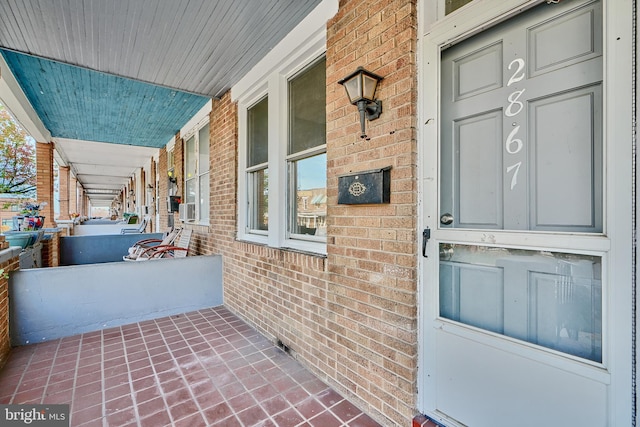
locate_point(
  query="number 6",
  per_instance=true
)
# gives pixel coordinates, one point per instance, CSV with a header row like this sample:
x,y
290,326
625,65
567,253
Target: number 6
x,y
511,140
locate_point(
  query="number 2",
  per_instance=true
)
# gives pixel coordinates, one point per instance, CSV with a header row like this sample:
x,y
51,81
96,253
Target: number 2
x,y
519,73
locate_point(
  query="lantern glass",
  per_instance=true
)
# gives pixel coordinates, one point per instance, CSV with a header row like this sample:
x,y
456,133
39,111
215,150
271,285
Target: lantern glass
x,y
368,87
353,87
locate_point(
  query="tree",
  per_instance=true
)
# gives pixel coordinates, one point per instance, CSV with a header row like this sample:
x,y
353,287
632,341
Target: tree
x,y
17,158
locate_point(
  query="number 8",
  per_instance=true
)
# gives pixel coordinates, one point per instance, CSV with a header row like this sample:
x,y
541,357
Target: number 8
x,y
513,100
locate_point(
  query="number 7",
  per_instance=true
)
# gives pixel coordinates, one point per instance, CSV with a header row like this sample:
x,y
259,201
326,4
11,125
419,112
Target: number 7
x,y
514,179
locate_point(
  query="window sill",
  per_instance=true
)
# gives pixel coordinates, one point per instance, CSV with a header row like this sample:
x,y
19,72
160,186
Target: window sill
x,y
195,224
309,248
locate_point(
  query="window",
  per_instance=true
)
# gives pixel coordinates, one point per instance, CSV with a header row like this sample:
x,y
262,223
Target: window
x,y
196,170
306,153
453,5
283,177
257,172
282,172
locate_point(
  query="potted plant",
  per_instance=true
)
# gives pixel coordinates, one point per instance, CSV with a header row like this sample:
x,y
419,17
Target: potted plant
x,y
31,218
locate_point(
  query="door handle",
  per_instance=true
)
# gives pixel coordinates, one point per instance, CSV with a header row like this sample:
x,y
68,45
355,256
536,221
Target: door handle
x,y
446,219
426,235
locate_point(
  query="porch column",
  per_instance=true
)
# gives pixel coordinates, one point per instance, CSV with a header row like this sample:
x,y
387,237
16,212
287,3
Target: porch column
x,y
44,180
64,175
73,195
86,208
81,209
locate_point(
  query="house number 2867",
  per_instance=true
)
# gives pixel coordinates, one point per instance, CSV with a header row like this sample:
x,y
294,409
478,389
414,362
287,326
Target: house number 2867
x,y
513,144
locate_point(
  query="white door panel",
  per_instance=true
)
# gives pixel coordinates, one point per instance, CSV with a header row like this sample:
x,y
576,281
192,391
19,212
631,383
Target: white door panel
x,y
481,386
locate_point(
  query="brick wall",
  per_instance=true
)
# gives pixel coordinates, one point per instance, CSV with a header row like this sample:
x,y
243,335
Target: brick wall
x,y
152,195
73,195
51,249
351,317
163,189
44,178
372,258
9,265
178,168
164,184
64,188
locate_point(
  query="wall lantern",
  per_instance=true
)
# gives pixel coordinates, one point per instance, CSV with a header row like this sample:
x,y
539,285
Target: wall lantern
x,y
361,88
172,179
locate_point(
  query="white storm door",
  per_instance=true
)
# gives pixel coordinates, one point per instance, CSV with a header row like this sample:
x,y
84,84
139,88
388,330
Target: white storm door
x,y
521,311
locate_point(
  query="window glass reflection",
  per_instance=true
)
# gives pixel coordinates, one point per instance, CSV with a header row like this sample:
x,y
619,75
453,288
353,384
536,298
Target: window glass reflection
x,y
310,208
549,299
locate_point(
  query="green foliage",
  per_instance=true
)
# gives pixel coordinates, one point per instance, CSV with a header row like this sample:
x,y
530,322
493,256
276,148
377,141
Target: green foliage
x,y
17,158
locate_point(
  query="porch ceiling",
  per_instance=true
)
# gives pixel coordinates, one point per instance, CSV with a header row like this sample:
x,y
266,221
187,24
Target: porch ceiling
x,y
132,72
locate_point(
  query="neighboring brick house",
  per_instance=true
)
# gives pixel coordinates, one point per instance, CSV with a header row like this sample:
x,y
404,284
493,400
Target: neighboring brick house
x,y
10,206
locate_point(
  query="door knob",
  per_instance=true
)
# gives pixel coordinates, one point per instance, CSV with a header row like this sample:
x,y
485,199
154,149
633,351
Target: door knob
x,y
446,219
446,251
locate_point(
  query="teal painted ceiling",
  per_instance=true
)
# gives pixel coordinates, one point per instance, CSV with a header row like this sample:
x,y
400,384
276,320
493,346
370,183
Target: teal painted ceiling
x,y
113,80
78,103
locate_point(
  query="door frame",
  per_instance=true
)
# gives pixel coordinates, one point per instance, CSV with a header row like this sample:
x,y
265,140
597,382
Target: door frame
x,y
618,184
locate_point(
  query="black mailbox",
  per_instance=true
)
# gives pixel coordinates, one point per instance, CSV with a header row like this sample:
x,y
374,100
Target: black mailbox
x,y
368,187
173,203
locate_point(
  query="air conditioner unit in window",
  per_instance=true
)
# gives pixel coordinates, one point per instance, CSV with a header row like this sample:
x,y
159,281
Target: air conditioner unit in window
x,y
187,211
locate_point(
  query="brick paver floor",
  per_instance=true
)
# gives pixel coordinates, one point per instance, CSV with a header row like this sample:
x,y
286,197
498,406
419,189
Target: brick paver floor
x,y
204,368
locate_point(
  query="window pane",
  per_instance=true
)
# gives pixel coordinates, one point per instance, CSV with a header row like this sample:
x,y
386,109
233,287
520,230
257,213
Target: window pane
x,y
259,205
203,149
257,119
310,195
307,108
190,158
549,299
452,5
191,191
204,196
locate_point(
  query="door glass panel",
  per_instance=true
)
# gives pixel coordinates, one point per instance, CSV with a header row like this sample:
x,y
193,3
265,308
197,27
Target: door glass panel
x,y
546,298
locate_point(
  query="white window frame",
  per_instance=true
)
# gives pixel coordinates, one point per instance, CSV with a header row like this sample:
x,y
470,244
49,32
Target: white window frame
x,y
270,78
250,173
192,129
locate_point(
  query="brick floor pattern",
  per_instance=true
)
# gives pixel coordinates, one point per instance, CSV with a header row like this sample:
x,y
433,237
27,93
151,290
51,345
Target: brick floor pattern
x,y
204,368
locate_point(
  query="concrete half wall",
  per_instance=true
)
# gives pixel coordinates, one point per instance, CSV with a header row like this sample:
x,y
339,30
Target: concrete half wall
x,y
89,249
50,303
